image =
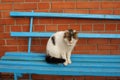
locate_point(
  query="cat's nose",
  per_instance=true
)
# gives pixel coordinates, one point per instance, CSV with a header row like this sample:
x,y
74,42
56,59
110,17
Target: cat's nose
x,y
70,42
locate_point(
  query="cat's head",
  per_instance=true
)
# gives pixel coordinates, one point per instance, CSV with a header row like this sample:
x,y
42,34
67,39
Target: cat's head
x,y
70,36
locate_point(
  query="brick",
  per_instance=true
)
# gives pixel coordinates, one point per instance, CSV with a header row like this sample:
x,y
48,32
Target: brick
x,y
2,50
36,21
112,78
82,41
36,48
63,5
110,4
7,28
91,51
17,42
85,47
16,28
11,48
117,12
46,77
7,21
39,28
110,27
98,41
62,27
115,41
22,21
43,49
45,0
0,15
68,78
89,78
12,0
101,11
88,5
25,28
32,0
36,41
5,6
118,26
64,21
56,10
80,21
44,5
2,28
5,14
25,6
44,41
103,52
2,42
45,21
79,78
6,76
98,27
51,28
11,42
87,27
23,48
100,78
76,11
115,52
22,41
108,47
4,35
75,27
111,21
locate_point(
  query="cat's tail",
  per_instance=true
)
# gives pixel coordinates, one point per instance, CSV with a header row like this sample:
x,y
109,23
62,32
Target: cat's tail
x,y
54,60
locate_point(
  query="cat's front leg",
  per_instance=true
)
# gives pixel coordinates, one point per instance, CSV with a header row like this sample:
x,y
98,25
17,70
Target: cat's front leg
x,y
64,57
69,57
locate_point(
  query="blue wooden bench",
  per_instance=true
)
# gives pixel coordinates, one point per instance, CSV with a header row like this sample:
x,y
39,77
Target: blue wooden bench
x,y
20,63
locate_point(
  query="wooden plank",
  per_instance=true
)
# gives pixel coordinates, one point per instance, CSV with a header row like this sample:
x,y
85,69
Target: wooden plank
x,y
64,15
48,34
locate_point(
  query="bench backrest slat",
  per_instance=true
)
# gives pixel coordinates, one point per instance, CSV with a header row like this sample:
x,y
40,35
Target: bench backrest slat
x,y
64,15
48,34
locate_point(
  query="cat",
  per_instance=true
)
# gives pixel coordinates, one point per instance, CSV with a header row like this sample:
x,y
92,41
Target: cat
x,y
60,46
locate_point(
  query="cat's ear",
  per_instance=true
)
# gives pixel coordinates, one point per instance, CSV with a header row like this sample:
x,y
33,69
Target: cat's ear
x,y
75,35
75,32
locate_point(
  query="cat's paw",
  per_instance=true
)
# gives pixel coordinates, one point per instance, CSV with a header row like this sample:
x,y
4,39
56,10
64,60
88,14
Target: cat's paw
x,y
69,61
65,63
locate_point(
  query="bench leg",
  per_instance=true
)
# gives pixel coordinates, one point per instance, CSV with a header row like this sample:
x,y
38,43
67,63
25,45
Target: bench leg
x,y
15,76
30,76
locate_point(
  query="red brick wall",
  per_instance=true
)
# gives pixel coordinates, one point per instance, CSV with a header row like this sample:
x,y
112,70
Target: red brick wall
x,y
84,46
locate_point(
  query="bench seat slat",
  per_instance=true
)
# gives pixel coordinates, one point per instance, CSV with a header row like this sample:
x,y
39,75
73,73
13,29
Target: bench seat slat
x,y
61,70
63,15
87,69
73,55
48,34
77,64
79,59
